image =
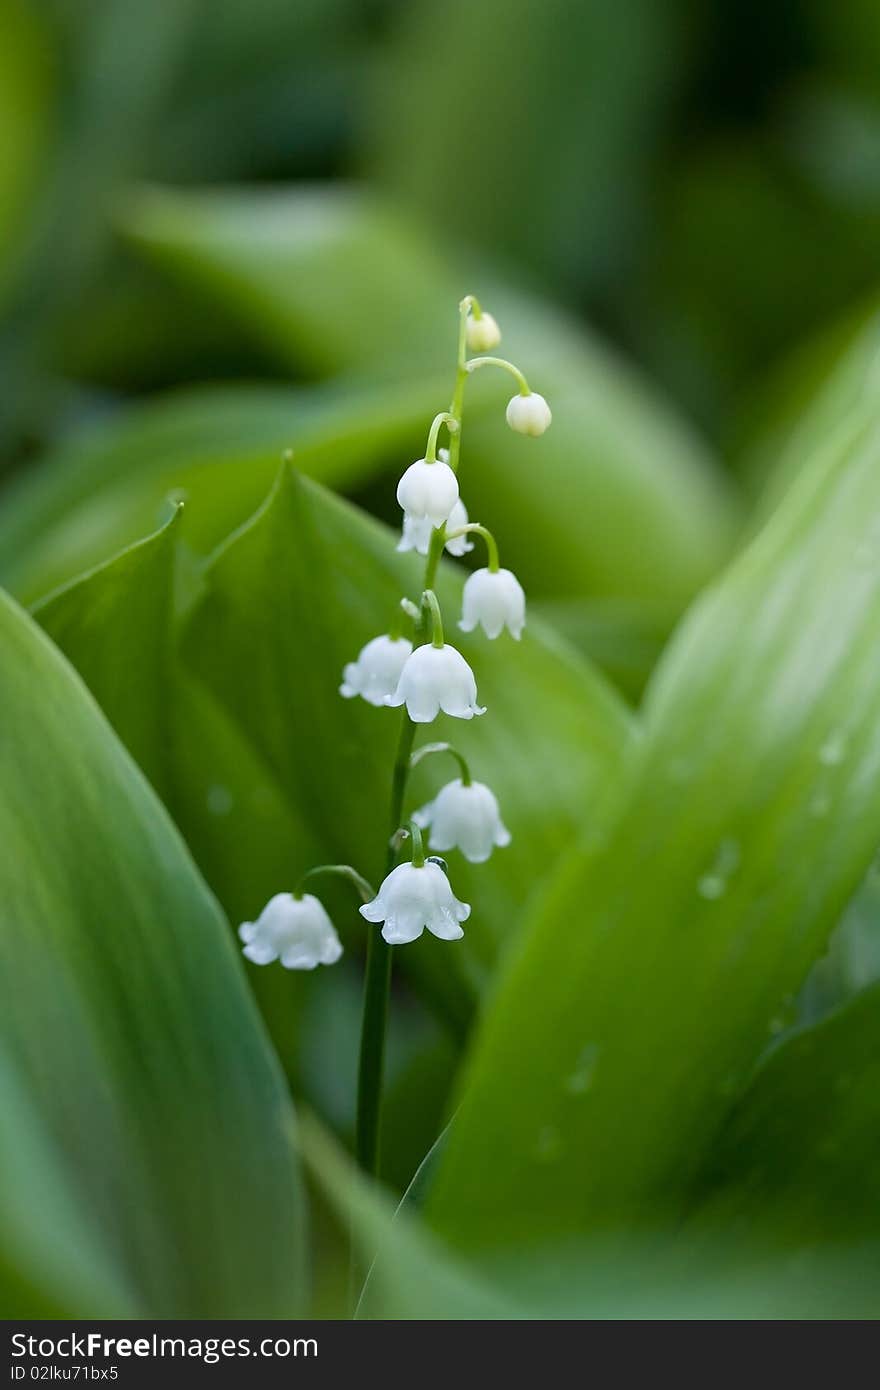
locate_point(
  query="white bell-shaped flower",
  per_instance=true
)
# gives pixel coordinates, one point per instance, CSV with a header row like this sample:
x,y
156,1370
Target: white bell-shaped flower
x,y
529,414
296,931
375,674
483,333
412,898
428,491
417,534
494,599
466,818
435,679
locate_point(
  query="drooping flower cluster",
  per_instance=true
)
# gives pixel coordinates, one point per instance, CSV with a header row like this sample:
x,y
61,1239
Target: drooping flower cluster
x,y
428,676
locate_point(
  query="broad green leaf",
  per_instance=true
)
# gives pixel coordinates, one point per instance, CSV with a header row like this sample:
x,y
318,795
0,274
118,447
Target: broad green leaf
x,y
126,1020
217,448
113,624
666,1274
799,1154
619,497
327,276
52,1263
660,964
290,599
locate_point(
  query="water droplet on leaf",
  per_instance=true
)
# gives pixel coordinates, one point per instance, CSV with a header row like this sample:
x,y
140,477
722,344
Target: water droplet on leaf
x,y
219,800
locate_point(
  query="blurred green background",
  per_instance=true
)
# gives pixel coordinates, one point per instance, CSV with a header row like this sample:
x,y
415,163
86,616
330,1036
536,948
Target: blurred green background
x,y
701,181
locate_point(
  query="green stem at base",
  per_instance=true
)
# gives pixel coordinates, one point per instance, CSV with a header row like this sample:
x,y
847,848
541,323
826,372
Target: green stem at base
x,y
377,988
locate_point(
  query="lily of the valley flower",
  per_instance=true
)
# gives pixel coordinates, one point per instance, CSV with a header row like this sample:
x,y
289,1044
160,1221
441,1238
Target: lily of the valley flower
x,y
494,599
428,491
483,333
435,679
466,818
529,414
414,897
375,673
417,534
296,931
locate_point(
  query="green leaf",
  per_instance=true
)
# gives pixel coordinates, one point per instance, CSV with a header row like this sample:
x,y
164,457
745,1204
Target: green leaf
x,y
216,448
413,1277
289,600
324,276
619,497
798,1158
114,626
53,1263
126,1021
660,964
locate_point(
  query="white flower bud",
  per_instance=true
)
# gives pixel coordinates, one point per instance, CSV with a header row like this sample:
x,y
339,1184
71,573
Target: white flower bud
x,y
411,899
529,414
428,490
434,679
465,818
483,333
296,931
417,534
494,599
375,674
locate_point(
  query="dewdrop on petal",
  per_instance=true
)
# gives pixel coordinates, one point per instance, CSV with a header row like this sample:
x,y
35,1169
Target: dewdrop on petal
x,y
435,679
376,672
494,599
428,491
412,898
529,414
296,931
483,333
466,818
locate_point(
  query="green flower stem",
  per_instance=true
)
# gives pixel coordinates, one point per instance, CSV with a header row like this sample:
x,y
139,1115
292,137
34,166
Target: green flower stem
x,y
444,418
429,749
474,528
366,891
418,849
435,551
515,372
461,376
429,599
